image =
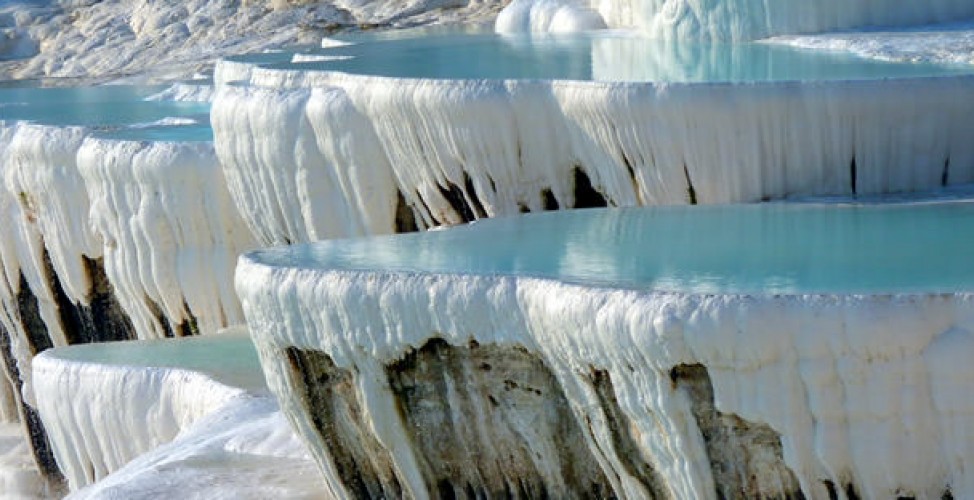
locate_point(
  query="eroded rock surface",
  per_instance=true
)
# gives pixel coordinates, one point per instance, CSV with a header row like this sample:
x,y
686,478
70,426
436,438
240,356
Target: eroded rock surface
x,y
492,421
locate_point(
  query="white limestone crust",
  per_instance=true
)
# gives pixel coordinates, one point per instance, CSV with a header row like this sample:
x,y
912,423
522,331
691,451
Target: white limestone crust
x,y
849,382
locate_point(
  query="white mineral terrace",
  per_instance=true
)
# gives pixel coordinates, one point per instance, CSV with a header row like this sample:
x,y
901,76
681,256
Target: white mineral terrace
x,y
826,326
674,352
169,231
191,411
460,140
727,19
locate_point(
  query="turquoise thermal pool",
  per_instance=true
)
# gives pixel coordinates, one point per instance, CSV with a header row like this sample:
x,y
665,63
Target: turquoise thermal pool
x,y
229,358
753,249
600,56
96,106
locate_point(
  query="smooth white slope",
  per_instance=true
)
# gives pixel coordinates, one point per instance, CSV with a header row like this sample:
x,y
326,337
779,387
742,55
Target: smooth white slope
x,y
849,382
244,450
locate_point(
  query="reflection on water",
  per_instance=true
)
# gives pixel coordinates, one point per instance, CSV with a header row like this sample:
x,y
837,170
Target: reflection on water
x,y
734,249
602,56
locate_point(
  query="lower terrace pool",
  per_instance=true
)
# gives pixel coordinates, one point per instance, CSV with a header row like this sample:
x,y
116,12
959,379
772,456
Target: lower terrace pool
x,y
229,358
752,249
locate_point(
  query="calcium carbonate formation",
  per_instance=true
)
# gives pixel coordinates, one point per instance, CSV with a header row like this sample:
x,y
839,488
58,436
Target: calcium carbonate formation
x,y
725,20
662,394
169,230
146,415
99,416
107,239
458,150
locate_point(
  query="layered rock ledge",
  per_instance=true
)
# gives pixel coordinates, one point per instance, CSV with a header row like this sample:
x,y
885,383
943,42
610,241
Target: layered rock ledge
x,y
548,368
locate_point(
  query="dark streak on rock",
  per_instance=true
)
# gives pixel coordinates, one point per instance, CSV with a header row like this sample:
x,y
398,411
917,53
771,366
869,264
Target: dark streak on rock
x,y
945,175
38,338
548,201
102,320
405,217
746,458
473,196
852,175
586,196
623,441
331,399
37,436
462,457
463,201
830,488
691,192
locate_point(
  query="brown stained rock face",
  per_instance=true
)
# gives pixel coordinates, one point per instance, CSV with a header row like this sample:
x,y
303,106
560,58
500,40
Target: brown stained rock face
x,y
746,458
483,421
332,401
38,340
623,441
492,421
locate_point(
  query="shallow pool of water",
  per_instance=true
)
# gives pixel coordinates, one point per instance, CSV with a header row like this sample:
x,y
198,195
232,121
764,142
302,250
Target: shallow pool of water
x,y
230,358
600,56
759,249
95,106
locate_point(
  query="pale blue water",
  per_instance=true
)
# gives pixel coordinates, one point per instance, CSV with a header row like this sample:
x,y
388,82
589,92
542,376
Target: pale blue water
x,y
93,106
609,56
197,132
229,358
754,249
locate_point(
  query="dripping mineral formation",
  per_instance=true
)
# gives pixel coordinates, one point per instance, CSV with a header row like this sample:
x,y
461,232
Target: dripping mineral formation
x,y
123,220
618,353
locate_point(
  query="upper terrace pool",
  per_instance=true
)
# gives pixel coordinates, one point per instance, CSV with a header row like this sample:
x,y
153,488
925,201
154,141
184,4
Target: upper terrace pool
x,y
599,56
760,249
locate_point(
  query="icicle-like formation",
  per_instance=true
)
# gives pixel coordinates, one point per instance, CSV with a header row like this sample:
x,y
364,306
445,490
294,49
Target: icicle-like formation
x,y
304,163
42,173
158,215
170,232
23,253
461,150
736,19
845,382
